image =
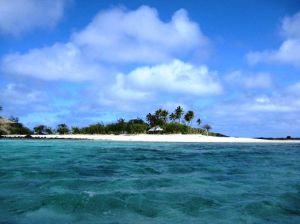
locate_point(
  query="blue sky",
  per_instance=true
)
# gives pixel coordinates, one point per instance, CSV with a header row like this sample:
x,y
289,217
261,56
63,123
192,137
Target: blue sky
x,y
235,63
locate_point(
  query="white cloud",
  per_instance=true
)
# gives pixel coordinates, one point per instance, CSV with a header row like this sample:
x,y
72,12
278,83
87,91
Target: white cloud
x,y
59,62
140,36
176,77
19,16
114,38
260,80
156,83
291,26
289,51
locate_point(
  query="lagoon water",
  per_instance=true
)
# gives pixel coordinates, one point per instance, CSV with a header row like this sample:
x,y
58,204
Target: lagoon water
x,y
64,181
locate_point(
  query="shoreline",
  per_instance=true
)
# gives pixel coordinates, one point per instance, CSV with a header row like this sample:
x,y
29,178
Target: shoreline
x,y
169,138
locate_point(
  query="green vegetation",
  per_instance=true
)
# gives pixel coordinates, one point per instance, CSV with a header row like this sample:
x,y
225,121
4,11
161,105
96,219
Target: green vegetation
x,y
42,130
207,128
62,129
176,128
12,126
134,126
189,116
178,113
19,129
176,122
159,118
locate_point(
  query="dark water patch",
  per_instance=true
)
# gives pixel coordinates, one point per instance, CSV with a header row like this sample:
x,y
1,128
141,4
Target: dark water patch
x,y
290,203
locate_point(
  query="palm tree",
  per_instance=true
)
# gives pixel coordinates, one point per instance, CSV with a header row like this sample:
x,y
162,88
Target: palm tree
x,y
1,108
49,131
189,116
161,116
172,117
148,117
164,115
63,129
121,125
158,112
199,121
179,113
39,130
151,119
121,121
207,127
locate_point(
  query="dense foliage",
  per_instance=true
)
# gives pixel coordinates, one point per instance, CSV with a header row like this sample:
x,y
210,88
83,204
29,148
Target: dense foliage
x,y
42,130
135,126
171,123
19,129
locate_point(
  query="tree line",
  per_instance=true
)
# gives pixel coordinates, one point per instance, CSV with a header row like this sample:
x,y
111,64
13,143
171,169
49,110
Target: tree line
x,y
177,121
171,123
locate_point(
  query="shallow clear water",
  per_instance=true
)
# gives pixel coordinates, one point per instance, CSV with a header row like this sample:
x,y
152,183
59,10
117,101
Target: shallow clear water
x,y
62,181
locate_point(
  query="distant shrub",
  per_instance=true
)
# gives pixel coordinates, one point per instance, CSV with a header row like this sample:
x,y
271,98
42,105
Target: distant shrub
x,y
19,129
76,130
136,128
217,134
92,129
42,130
173,128
115,128
137,121
62,129
49,131
2,132
194,131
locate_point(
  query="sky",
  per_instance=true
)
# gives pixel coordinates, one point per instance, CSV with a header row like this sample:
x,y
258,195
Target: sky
x,y
235,63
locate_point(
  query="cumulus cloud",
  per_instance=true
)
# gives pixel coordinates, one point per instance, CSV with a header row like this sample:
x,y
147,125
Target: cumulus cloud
x,y
114,38
160,81
58,62
19,16
121,36
290,26
176,77
289,51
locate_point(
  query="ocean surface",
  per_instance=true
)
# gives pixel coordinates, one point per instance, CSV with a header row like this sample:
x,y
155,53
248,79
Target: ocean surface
x,y
64,181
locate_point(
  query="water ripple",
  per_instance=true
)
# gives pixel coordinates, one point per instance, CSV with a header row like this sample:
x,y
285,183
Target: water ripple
x,y
113,182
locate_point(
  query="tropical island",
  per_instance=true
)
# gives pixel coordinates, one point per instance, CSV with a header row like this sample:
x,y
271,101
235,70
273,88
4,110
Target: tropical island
x,y
159,126
159,122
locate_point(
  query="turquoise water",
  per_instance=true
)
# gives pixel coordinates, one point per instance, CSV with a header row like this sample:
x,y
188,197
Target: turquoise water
x,y
62,181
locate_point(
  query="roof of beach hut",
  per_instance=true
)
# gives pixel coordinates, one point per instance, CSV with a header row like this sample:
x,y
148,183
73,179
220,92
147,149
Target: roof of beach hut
x,y
156,128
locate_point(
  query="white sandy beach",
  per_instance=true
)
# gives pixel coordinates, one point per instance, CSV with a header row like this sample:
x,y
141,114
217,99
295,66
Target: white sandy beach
x,y
158,138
